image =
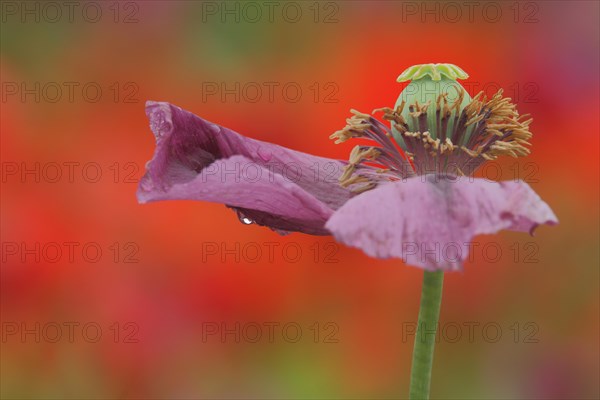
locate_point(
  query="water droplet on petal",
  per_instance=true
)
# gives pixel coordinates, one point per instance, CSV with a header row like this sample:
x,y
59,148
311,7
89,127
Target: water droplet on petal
x,y
214,128
159,124
243,219
265,155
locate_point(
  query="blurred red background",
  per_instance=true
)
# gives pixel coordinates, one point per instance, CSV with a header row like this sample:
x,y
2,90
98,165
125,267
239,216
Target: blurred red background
x,y
155,272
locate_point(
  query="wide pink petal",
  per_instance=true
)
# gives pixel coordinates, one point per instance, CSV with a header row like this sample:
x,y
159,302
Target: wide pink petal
x,y
430,221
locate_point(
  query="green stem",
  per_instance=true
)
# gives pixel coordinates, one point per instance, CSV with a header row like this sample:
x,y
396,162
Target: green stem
x,y
429,313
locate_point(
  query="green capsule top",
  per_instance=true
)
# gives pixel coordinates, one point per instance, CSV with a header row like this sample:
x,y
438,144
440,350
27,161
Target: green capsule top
x,y
433,86
434,71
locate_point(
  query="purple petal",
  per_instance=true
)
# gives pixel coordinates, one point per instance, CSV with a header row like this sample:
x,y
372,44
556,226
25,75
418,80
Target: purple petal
x,y
274,186
430,222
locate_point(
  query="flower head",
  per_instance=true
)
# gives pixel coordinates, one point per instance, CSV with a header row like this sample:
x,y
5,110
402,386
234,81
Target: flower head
x,y
401,197
438,135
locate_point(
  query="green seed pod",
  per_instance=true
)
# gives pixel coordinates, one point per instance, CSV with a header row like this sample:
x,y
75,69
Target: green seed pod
x,y
440,127
433,100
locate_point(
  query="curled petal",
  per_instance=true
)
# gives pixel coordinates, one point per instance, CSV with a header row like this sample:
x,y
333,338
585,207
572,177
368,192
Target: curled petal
x,y
281,188
430,221
270,199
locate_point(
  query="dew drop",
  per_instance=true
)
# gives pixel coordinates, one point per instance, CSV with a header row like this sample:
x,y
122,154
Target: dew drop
x,y
243,219
265,155
160,125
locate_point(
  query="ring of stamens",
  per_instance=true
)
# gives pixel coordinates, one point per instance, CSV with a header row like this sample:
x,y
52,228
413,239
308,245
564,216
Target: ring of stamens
x,y
458,144
387,156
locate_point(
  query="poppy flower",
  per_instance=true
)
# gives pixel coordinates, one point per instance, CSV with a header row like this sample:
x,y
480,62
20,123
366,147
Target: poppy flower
x,y
407,192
